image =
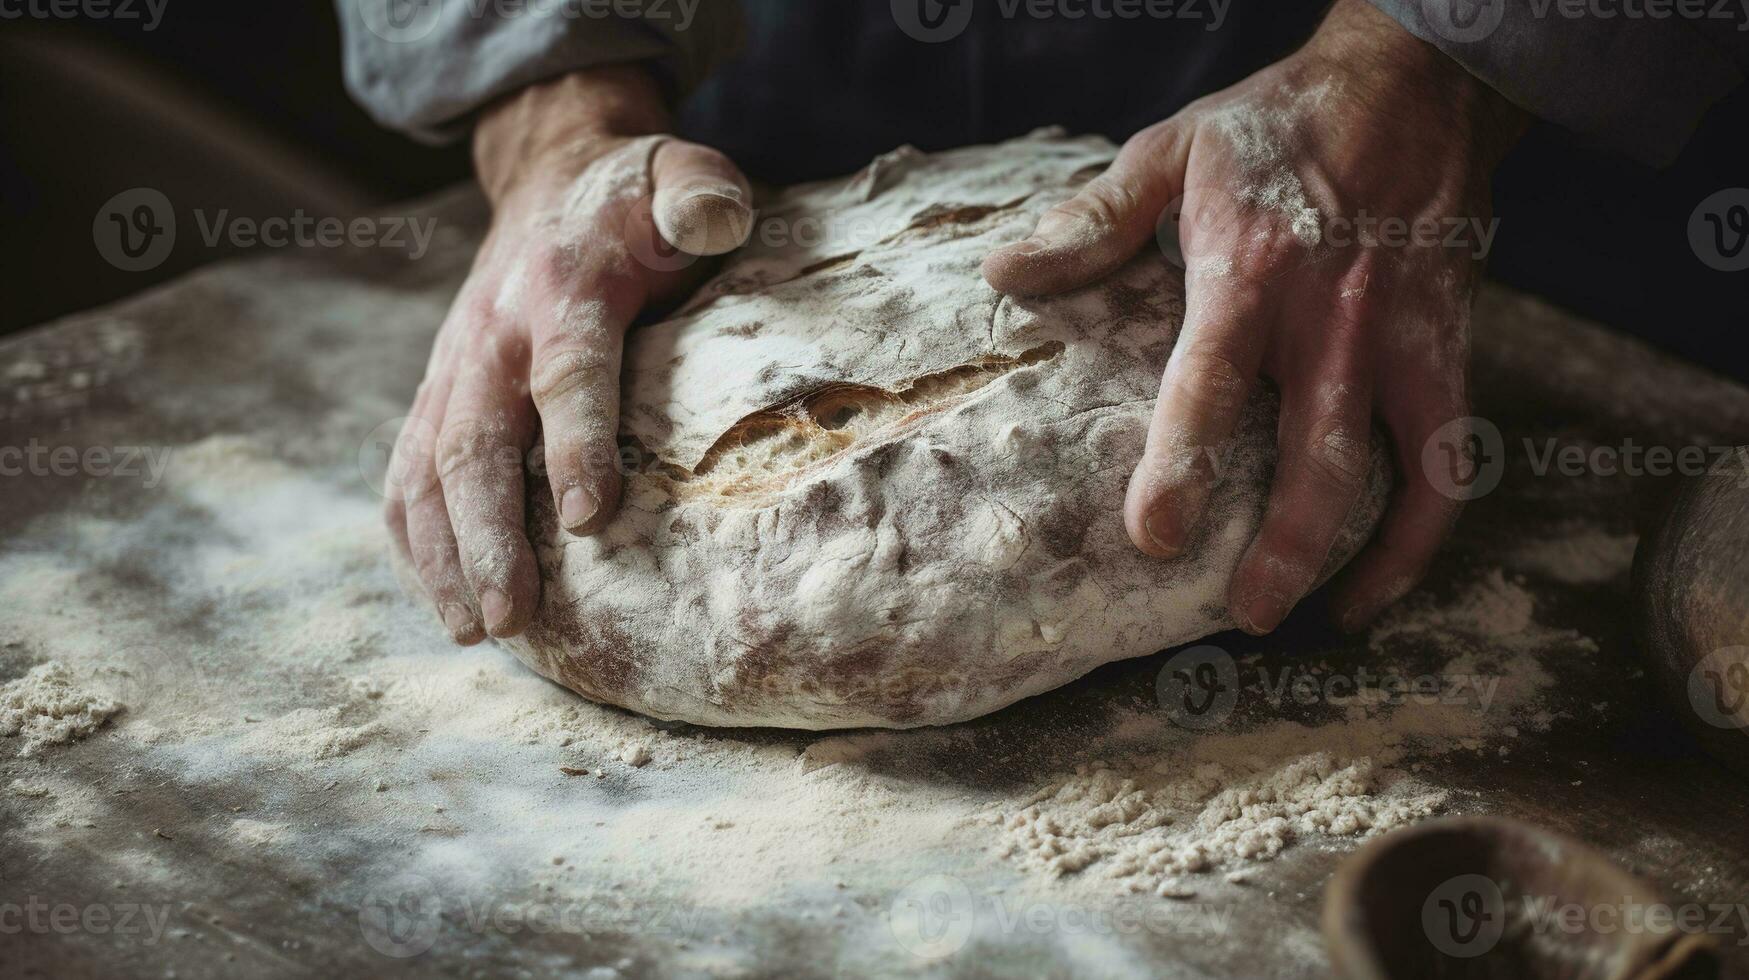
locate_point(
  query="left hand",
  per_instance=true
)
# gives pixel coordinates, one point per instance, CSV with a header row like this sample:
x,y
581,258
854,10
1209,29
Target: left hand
x,y
1278,176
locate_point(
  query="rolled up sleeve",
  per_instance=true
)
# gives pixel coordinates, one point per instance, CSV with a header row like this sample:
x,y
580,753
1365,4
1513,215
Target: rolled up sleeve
x,y
1636,75
427,67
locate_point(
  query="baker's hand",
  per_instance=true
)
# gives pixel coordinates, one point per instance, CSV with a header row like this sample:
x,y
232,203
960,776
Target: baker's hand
x,y
1302,189
534,336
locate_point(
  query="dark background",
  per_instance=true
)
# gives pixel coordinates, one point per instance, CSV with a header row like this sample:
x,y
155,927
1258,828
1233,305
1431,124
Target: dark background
x,y
240,106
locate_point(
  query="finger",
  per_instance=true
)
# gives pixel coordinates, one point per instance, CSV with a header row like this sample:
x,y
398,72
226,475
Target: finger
x,y
1087,237
487,428
1324,458
1419,519
575,384
431,546
1207,382
402,458
702,203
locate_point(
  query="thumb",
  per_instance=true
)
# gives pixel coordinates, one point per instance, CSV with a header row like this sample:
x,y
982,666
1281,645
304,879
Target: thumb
x,y
702,203
1089,236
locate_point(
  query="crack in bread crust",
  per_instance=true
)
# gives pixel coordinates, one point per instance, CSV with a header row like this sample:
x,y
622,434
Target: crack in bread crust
x,y
768,451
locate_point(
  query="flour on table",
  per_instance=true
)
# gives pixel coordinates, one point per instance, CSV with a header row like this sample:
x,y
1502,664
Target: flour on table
x,y
1582,555
45,707
1142,818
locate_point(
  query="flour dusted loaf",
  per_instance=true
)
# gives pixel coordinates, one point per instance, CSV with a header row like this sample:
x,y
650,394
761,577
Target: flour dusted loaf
x,y
867,490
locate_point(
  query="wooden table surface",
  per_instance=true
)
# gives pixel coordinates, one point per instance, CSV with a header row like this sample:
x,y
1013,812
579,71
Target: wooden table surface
x,y
307,351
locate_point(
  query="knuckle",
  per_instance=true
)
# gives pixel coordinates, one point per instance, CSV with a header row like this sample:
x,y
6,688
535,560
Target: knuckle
x,y
1339,456
553,268
1155,141
435,571
1297,548
576,373
1211,381
472,311
470,445
1104,200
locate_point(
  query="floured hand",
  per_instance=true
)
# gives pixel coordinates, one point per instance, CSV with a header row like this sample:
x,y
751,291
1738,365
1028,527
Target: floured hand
x,y
586,195
1332,212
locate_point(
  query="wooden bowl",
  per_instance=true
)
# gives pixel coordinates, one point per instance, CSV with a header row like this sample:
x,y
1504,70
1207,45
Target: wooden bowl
x,y
1489,897
1691,609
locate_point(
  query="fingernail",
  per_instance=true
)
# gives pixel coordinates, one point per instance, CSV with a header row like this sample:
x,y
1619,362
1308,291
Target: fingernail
x,y
1027,247
1163,531
1355,619
496,608
1262,613
457,619
1057,228
577,507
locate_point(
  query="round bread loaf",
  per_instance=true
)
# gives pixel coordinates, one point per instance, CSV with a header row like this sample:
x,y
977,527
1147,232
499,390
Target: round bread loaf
x,y
865,489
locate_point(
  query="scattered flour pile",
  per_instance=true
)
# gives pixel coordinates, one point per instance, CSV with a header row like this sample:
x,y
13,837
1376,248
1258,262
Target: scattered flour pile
x,y
1217,799
1142,827
1580,555
45,708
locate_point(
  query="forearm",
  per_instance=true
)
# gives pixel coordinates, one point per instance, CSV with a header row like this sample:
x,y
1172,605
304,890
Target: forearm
x,y
1357,34
1638,84
535,130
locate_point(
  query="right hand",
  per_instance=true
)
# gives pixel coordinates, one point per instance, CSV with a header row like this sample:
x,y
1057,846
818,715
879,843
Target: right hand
x,y
534,336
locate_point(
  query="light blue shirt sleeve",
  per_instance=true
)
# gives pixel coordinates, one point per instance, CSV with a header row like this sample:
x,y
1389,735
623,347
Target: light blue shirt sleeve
x,y
427,67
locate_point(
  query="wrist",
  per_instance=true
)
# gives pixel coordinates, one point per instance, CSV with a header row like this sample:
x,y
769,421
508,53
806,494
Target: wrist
x,y
558,127
1394,66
